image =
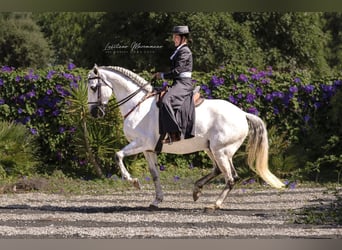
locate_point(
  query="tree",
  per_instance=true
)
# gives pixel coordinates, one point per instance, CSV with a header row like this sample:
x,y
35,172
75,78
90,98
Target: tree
x,y
22,44
289,39
68,32
333,28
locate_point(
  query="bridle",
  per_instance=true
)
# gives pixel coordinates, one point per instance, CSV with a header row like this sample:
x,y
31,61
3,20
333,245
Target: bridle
x,y
102,106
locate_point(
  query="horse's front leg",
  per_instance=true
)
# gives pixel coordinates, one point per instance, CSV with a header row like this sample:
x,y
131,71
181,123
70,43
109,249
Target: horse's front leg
x,y
152,160
131,149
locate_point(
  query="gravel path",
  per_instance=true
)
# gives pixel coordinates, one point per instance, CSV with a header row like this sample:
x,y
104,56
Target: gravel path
x,y
246,214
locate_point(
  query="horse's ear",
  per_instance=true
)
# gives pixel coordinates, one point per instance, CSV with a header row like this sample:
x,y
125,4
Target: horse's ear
x,y
95,69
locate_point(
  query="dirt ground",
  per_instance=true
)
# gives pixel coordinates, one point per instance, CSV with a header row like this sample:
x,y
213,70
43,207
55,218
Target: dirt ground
x,y
247,213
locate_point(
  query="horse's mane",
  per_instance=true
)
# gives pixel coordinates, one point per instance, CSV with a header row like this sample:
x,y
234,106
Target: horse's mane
x,y
131,75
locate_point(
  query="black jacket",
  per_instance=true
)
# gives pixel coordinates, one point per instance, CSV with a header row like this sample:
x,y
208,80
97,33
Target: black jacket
x,y
180,62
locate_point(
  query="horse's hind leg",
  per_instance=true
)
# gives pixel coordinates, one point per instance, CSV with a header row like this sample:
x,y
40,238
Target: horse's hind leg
x,y
205,179
224,161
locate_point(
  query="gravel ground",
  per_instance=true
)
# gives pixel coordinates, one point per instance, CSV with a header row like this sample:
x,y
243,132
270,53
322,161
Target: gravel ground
x,y
247,213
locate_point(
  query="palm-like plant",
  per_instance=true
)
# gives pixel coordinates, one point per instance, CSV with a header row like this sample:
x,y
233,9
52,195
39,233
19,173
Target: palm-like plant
x,y
95,139
17,150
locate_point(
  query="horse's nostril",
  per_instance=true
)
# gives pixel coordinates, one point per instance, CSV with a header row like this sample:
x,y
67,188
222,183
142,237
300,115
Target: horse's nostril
x,y
94,111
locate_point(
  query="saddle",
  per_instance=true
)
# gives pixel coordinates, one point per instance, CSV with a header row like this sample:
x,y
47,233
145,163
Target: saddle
x,y
198,99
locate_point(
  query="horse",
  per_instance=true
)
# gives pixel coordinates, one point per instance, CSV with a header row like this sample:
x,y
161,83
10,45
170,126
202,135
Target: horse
x,y
220,130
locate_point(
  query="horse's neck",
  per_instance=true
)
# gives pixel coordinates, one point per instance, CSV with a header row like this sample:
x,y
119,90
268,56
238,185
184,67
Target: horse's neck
x,y
122,89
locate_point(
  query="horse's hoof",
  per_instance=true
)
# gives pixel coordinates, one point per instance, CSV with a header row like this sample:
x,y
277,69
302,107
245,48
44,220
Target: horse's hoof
x,y
153,207
211,209
196,195
136,183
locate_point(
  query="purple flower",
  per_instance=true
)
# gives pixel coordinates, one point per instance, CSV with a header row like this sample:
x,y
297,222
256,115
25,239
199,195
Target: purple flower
x,y
6,69
293,89
275,110
252,70
61,91
232,99
31,94
206,89
251,181
71,66
161,167
297,80
217,81
293,185
269,97
40,112
337,83
61,130
308,88
68,76
26,120
2,101
20,110
17,78
33,131
147,178
250,98
176,178
165,83
306,118
49,91
74,85
253,110
1,82
243,78
258,91
30,76
278,94
50,74
265,81
317,105
56,112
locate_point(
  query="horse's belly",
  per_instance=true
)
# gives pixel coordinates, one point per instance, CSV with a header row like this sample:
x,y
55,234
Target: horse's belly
x,y
186,146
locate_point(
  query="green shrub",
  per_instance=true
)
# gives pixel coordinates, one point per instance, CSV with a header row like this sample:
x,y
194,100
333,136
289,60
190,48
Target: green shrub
x,y
17,150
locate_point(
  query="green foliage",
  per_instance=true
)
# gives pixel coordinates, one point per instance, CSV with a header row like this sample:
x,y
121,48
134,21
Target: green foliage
x,y
289,40
17,150
68,33
95,140
22,44
36,98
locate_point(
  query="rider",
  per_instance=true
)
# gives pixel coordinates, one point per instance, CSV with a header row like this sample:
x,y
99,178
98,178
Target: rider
x,y
176,115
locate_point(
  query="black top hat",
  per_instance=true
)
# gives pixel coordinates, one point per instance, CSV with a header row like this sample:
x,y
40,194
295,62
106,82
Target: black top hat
x,y
180,30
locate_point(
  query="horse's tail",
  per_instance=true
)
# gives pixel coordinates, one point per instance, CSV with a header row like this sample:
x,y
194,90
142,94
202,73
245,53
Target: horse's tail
x,y
258,151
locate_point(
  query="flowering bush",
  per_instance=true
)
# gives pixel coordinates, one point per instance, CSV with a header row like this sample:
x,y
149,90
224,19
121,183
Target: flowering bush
x,y
291,103
36,98
286,100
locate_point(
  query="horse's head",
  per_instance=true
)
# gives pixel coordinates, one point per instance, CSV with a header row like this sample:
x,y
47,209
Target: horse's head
x,y
99,92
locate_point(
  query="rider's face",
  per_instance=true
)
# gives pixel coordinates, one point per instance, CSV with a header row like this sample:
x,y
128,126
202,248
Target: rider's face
x,y
176,39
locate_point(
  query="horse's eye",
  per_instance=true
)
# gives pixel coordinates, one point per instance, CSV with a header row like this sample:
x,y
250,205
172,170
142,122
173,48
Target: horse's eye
x,y
94,88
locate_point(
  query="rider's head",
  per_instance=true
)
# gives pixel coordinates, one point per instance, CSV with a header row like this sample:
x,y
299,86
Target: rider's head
x,y
180,35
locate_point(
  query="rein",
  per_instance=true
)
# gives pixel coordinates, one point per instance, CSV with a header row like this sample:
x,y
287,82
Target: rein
x,y
124,100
